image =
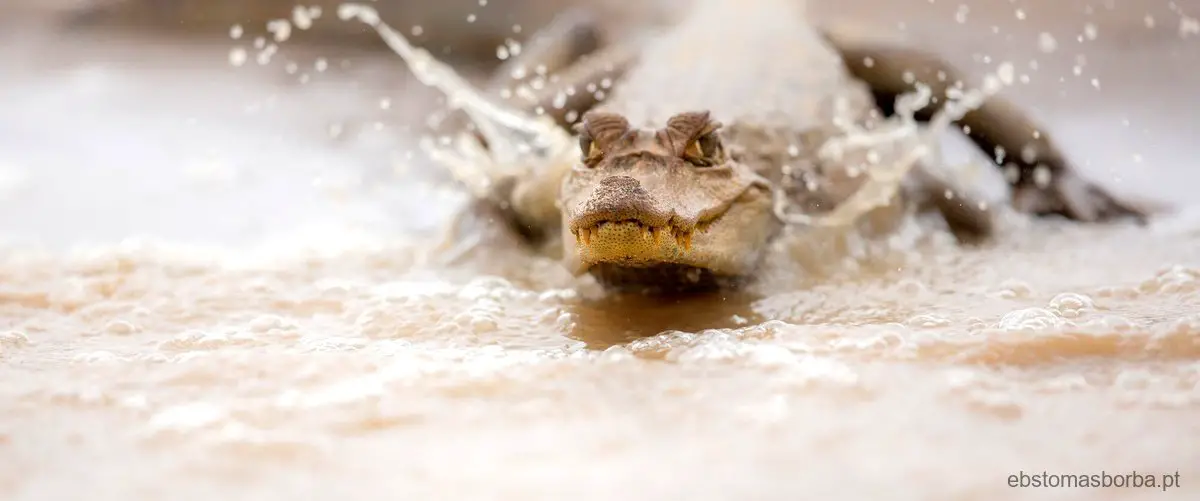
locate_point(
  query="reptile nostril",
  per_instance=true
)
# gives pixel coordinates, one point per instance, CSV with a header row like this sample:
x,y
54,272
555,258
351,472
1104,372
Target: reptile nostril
x,y
616,198
619,183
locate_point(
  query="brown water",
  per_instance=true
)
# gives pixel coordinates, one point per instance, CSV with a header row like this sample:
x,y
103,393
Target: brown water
x,y
276,333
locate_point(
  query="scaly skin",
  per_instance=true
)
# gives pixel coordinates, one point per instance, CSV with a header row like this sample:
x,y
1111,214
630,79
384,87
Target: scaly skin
x,y
666,209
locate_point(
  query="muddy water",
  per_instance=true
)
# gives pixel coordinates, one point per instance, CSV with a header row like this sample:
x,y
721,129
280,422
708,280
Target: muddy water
x,y
276,333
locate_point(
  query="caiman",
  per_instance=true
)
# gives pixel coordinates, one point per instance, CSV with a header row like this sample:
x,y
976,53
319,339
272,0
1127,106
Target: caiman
x,y
710,122
689,138
705,122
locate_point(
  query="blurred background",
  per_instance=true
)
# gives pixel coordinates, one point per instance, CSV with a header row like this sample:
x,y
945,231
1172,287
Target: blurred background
x,y
188,120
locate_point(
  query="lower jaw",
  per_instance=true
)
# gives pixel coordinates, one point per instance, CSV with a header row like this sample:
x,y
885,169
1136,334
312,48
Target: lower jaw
x,y
661,278
580,261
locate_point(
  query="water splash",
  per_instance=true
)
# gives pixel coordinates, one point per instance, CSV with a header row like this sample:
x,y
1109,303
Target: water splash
x,y
903,132
517,142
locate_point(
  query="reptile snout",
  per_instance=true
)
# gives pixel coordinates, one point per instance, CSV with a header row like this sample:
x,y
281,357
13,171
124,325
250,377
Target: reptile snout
x,y
619,199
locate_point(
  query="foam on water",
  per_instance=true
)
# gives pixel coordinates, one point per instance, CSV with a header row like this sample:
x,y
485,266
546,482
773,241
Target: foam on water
x,y
324,363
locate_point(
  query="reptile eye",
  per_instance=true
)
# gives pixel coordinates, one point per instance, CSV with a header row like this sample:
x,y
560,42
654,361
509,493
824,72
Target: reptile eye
x,y
589,152
599,127
704,151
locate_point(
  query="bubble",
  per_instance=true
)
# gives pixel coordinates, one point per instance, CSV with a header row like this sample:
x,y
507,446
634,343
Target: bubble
x,y
928,321
1029,319
1071,305
121,328
1013,289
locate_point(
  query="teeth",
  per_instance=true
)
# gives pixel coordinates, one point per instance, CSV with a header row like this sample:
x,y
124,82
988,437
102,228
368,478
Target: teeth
x,y
684,239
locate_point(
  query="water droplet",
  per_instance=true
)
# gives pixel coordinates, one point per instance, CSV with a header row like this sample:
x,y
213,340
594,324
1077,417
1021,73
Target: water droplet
x,y
303,17
1090,31
1006,72
1047,43
281,29
237,56
1188,26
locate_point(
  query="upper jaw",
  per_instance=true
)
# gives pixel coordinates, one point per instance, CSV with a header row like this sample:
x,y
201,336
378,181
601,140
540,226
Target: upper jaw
x,y
581,220
649,219
654,234
637,244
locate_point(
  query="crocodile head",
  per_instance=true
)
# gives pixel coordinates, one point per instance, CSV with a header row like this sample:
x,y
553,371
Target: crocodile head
x,y
663,210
